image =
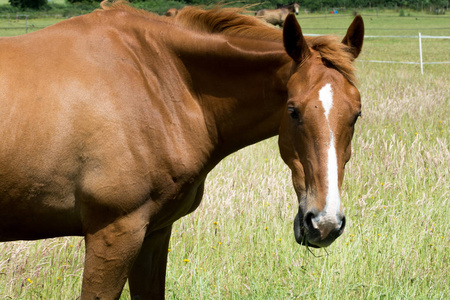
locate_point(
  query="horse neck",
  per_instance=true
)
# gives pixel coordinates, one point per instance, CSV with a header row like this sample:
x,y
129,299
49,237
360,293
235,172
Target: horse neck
x,y
241,87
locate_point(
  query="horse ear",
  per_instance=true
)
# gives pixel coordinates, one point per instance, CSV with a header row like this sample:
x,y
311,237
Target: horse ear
x,y
294,42
355,36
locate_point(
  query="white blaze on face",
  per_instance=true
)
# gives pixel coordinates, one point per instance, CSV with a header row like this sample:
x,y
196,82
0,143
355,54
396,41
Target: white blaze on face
x,y
333,203
326,97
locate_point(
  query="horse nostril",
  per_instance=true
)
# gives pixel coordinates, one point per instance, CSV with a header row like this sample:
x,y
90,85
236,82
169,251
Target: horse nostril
x,y
317,224
309,221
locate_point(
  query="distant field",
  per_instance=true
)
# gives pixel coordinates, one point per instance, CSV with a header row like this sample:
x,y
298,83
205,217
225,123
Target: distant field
x,y
239,243
12,25
383,24
390,47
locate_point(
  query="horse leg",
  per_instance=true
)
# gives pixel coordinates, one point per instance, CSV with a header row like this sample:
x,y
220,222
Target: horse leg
x,y
111,248
147,277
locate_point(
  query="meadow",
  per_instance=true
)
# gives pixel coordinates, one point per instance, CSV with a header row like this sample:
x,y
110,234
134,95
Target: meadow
x,y
239,243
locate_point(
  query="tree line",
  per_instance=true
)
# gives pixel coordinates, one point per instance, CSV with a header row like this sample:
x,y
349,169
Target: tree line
x,y
310,5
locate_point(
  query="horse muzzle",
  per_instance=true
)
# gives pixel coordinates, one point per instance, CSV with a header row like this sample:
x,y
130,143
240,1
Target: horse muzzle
x,y
316,229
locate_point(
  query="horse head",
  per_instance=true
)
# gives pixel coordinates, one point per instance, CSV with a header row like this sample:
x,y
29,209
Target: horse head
x,y
296,8
317,128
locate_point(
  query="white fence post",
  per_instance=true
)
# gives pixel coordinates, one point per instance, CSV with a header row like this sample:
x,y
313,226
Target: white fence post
x,y
420,46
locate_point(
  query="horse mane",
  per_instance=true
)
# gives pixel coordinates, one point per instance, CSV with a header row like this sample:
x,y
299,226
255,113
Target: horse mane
x,y
231,21
227,21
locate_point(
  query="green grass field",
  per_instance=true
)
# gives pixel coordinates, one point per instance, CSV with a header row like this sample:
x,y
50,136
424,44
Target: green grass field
x,y
239,243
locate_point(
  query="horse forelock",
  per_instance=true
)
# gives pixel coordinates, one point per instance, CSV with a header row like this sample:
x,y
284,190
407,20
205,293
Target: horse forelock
x,y
335,54
230,21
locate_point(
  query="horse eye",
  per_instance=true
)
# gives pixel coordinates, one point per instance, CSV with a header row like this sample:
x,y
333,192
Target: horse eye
x,y
293,113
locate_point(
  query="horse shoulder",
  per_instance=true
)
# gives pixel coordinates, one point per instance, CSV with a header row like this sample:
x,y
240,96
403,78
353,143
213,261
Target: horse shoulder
x,y
132,131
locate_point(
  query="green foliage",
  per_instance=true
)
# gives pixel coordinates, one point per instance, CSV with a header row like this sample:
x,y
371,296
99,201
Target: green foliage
x,y
23,4
158,6
85,1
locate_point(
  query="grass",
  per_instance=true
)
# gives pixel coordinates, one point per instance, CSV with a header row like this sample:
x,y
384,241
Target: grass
x,y
12,26
239,243
383,24
390,48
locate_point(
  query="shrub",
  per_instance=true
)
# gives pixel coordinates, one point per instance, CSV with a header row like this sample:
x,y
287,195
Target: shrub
x,y
33,4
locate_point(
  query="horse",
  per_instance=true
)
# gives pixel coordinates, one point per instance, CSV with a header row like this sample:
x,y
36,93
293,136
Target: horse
x,y
171,12
278,15
111,121
293,7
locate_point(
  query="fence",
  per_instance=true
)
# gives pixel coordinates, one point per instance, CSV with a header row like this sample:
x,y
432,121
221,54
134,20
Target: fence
x,y
420,62
11,19
420,37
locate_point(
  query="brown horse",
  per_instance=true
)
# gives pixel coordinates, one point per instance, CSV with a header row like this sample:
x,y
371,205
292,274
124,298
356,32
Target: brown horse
x,y
278,15
111,121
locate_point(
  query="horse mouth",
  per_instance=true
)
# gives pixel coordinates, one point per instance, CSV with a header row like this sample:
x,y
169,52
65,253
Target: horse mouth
x,y
304,242
312,238
300,234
